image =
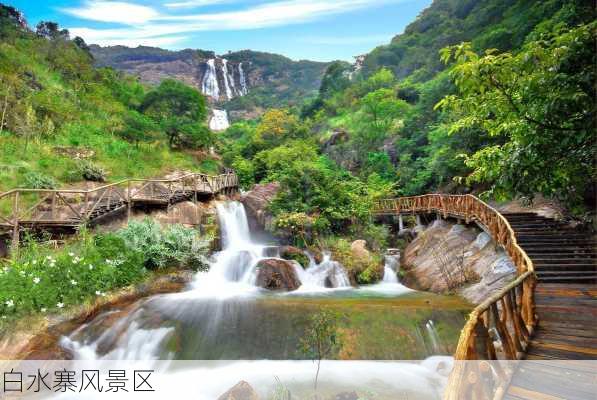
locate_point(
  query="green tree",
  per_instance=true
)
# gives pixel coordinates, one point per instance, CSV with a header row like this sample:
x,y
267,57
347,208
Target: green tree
x,y
541,103
180,110
137,128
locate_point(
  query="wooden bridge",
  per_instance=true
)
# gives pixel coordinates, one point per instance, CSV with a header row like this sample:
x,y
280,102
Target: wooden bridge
x,y
44,209
548,312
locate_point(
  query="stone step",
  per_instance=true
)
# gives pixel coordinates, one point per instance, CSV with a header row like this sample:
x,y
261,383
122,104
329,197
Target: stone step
x,y
565,268
568,260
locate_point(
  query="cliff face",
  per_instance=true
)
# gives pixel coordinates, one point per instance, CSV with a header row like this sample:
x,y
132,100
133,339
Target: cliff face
x,y
260,79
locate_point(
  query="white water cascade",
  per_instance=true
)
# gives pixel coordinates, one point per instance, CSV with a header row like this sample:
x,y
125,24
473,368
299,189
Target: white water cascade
x,y
210,86
243,81
219,120
390,269
233,271
227,86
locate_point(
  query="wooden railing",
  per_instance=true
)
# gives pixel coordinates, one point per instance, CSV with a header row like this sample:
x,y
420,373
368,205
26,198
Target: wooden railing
x,y
500,327
75,207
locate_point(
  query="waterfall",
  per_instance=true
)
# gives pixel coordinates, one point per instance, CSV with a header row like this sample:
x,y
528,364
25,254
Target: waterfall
x,y
243,82
327,274
390,269
229,93
433,336
219,120
210,86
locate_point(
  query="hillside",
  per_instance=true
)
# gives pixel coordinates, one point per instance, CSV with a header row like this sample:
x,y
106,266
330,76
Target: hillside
x,y
64,120
503,25
244,82
418,144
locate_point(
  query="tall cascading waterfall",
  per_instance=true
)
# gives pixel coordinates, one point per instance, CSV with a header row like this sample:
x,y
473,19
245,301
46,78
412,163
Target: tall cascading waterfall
x,y
243,81
209,85
227,86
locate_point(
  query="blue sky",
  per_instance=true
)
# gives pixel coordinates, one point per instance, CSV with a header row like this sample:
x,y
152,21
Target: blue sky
x,y
300,29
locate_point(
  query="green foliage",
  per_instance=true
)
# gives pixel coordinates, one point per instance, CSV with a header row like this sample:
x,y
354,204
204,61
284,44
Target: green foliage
x,y
542,105
162,247
91,171
181,111
43,279
52,97
37,180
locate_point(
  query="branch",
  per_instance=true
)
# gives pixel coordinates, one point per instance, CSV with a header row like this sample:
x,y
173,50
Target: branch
x,y
517,109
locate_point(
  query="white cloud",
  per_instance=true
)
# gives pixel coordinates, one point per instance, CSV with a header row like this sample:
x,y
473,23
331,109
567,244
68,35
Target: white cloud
x,y
113,11
195,3
157,29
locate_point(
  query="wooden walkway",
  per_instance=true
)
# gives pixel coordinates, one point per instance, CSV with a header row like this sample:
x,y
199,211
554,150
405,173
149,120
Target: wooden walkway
x,y
566,306
547,316
45,209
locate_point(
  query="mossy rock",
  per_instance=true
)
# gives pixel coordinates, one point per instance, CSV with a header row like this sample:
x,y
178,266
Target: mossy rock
x,y
294,254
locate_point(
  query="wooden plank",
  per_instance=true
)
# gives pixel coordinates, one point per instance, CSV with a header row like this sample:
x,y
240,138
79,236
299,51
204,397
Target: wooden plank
x,y
525,394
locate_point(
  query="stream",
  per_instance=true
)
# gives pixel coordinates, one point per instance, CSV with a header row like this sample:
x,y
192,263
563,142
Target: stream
x,y
239,331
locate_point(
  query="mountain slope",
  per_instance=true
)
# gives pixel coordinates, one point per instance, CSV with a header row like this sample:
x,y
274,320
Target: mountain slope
x,y
245,81
503,25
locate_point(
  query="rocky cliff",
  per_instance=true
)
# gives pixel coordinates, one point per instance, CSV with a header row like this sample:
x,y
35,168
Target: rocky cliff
x,y
243,83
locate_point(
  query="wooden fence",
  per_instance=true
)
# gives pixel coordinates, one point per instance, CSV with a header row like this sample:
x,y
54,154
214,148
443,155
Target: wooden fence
x,y
500,327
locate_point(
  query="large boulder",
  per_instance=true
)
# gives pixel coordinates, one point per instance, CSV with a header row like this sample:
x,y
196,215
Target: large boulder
x,y
277,274
257,200
445,257
240,391
359,250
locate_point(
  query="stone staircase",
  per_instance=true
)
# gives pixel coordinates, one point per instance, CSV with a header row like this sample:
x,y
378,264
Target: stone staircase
x,y
559,253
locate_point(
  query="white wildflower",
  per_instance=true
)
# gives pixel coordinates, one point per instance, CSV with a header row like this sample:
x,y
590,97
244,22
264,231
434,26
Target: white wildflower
x,y
36,280
90,267
43,309
9,303
71,254
59,305
73,282
34,262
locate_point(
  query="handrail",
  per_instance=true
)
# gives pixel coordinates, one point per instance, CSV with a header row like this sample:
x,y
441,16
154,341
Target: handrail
x,y
501,326
79,204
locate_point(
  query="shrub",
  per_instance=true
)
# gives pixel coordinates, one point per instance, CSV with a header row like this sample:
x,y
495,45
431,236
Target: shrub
x,y
161,247
37,180
91,171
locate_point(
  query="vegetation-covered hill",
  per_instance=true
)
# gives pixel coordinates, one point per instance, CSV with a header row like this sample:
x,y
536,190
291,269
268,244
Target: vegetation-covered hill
x,y
64,120
271,79
486,96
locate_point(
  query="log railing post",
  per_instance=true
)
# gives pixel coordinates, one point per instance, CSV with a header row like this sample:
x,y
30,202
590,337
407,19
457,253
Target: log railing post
x,y
129,200
15,227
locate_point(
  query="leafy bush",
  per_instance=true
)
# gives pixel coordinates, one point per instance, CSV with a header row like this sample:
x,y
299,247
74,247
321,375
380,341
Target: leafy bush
x,y
37,180
91,172
161,246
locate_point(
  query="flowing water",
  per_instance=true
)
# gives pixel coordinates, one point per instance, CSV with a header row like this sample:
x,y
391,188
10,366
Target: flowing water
x,y
210,86
224,316
219,120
